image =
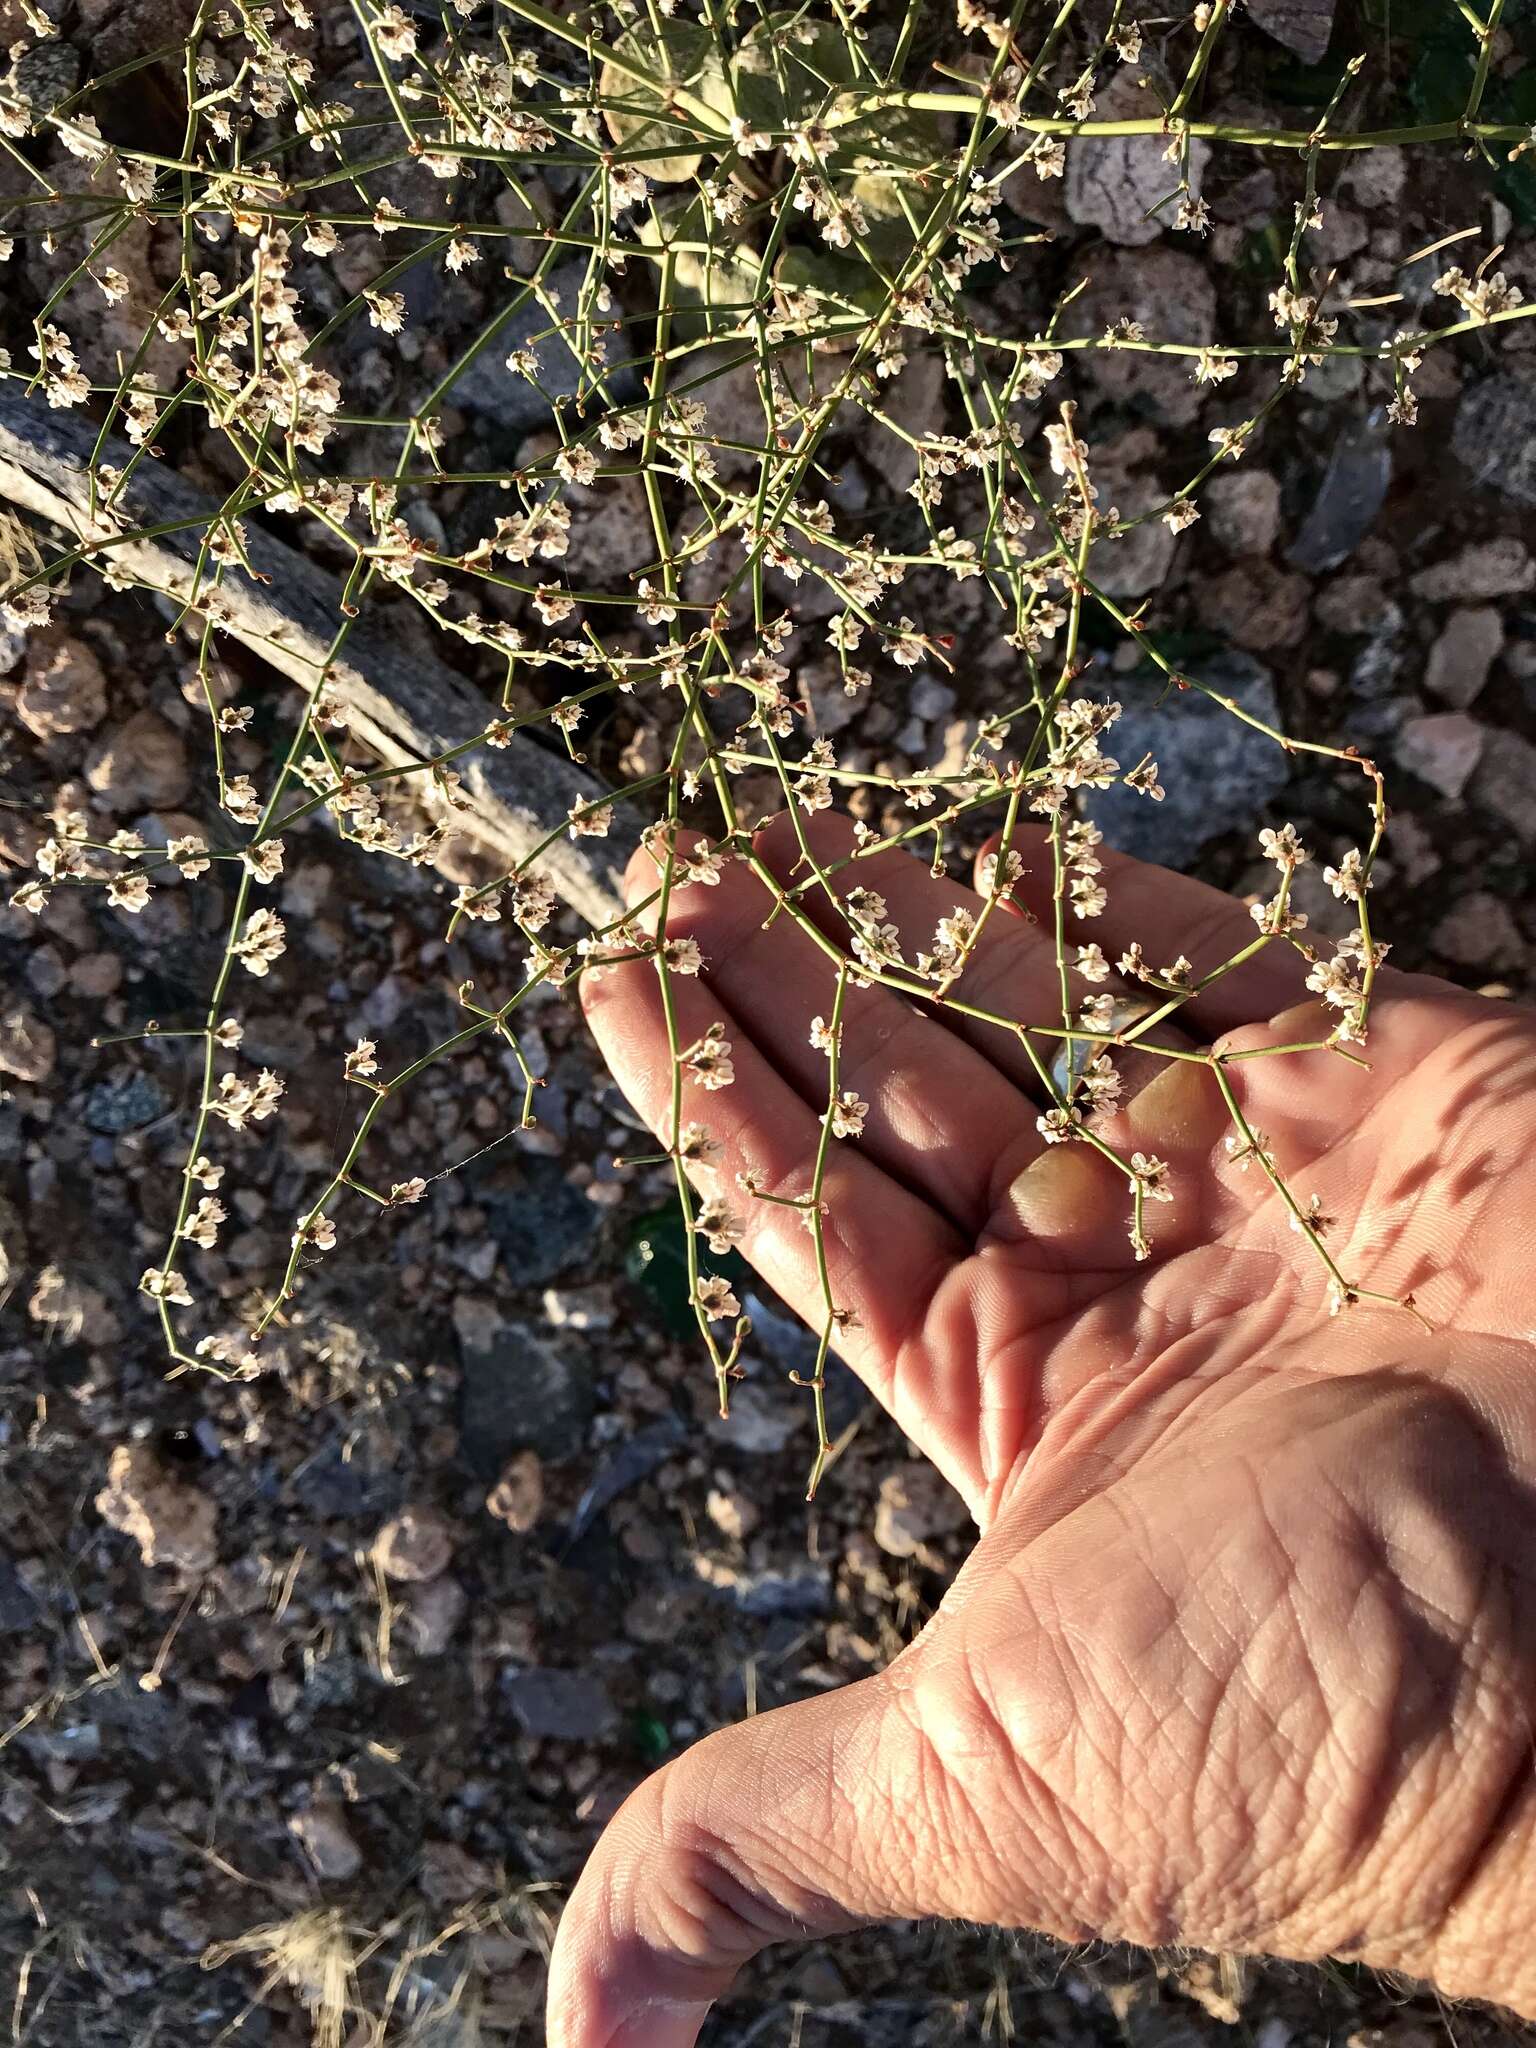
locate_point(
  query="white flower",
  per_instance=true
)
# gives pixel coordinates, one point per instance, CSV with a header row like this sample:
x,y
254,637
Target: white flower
x,y
1283,847
590,823
360,1061
408,1190
718,1227
240,800
263,941
165,1284
202,1226
386,310
715,1298
189,854
848,1114
708,1059
265,861
1151,1175
1091,964
128,892
683,956
1348,879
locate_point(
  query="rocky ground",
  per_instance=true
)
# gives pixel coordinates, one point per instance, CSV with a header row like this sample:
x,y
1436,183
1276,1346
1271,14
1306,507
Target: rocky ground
x,y
314,1692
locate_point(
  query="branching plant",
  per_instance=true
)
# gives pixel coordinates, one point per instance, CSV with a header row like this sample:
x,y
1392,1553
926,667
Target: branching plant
x,y
657,205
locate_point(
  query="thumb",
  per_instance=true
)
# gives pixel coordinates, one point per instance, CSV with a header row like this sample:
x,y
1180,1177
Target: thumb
x,y
799,1823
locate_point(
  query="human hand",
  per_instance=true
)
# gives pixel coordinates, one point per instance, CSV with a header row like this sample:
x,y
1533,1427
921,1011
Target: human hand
x,y
1243,1658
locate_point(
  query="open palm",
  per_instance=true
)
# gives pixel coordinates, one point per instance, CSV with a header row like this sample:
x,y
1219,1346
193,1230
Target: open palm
x,y
1244,1656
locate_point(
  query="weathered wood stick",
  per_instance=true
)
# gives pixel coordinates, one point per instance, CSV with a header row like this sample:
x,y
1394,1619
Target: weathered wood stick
x,y
400,706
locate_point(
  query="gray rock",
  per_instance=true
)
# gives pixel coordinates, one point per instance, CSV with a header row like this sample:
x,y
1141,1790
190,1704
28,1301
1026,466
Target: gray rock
x,y
1374,177
124,1102
1505,783
489,387
28,1047
1168,293
931,699
48,74
522,1392
1138,560
803,1588
1495,434
761,1421
1350,496
633,1461
1111,184
18,1609
343,1483
916,1503
566,1706
1500,567
1218,772
541,1224
1480,932
1303,26
1242,511
1467,647
1441,750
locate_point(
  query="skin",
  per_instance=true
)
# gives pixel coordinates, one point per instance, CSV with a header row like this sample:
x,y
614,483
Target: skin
x,y
1245,1654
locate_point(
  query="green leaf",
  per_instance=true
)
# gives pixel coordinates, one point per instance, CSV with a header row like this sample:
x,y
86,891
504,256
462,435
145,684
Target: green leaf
x,y
647,117
656,1260
711,290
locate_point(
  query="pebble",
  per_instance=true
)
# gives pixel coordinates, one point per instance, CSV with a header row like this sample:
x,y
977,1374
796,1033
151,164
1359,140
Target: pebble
x,y
1494,435
1442,750
63,689
521,1391
1217,771
1466,648
1500,567
760,1423
799,1589
1374,177
141,764
172,1522
1241,510
1256,605
1114,184
124,1102
1304,27
416,1545
71,1309
434,1614
28,1046
915,1504
1171,295
930,699
732,1513
1352,492
1505,783
328,1843
517,1498
564,1706
1480,932
580,1308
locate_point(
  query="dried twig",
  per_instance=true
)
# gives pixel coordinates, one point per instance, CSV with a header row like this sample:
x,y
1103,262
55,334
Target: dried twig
x,y
403,706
